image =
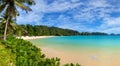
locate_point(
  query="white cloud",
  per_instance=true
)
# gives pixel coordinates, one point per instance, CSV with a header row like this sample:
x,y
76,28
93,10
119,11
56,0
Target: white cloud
x,y
56,6
115,30
110,25
94,9
29,18
111,22
98,3
87,17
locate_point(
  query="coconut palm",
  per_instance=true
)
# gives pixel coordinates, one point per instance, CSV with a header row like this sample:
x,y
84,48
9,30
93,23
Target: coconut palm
x,y
11,25
9,7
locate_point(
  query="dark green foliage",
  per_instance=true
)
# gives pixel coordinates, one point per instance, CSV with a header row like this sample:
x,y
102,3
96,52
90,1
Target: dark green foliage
x,y
71,64
29,30
93,33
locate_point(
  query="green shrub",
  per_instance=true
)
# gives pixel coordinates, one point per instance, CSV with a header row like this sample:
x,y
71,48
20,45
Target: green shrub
x,y
71,64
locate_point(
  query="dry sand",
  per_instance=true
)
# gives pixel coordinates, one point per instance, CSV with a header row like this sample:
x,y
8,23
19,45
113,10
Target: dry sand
x,y
95,58
34,37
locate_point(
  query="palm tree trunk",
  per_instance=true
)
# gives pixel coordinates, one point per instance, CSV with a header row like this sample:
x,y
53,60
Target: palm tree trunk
x,y
5,31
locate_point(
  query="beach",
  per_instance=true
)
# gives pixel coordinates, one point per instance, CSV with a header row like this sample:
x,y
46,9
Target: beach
x,y
85,57
34,37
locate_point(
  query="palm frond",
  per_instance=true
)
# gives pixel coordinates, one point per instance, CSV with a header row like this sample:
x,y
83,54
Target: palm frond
x,y
22,6
14,12
13,26
1,19
2,7
28,2
8,11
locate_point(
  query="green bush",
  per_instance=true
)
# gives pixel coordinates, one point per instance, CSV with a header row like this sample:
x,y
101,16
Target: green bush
x,y
71,64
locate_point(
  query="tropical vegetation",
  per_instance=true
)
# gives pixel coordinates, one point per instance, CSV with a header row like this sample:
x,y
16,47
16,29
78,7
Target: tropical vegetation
x,y
39,30
36,30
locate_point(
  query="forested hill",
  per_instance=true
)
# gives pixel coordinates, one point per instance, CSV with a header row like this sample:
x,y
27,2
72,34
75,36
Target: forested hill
x,y
39,30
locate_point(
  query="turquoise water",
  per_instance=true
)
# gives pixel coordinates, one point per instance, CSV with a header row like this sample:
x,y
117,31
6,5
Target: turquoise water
x,y
80,43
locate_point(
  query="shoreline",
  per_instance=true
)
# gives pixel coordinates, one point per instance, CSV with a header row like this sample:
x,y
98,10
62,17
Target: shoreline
x,y
34,37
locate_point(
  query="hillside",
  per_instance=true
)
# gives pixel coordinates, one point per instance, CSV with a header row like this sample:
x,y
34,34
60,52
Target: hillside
x,y
39,30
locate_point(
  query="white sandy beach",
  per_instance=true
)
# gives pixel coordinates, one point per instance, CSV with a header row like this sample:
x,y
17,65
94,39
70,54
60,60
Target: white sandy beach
x,y
34,37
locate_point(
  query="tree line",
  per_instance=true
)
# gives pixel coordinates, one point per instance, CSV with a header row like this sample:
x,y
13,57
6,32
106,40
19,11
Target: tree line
x,y
39,30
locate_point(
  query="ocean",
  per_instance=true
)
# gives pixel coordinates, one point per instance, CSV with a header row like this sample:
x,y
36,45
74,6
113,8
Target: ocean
x,y
80,42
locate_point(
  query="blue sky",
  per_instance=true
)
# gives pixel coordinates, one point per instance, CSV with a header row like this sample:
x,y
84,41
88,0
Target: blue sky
x,y
80,15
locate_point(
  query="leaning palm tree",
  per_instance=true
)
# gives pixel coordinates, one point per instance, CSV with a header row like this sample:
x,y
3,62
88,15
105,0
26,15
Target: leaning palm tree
x,y
9,7
11,25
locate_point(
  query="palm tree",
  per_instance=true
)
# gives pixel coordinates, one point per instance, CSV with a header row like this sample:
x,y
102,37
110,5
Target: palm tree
x,y
11,25
9,7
